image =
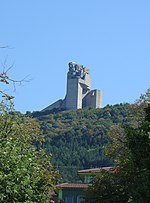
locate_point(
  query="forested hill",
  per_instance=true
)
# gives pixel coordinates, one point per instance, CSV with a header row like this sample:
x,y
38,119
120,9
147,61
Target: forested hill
x,y
77,138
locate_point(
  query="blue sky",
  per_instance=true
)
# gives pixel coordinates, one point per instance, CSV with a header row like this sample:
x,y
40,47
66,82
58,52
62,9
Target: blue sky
x,y
111,38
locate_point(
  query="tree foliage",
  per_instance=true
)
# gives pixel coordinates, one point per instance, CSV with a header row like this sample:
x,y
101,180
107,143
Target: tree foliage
x,y
77,138
26,174
131,154
130,181
107,187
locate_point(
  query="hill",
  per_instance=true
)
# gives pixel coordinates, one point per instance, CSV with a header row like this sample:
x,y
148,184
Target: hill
x,y
77,138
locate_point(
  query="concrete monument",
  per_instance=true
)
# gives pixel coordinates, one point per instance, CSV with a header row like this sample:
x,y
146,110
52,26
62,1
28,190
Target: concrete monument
x,y
79,94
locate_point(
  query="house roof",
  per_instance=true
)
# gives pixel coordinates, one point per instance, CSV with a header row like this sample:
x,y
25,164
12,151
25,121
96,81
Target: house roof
x,y
96,170
73,185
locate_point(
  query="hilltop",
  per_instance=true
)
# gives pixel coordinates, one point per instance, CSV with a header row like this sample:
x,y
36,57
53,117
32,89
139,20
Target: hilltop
x,y
77,138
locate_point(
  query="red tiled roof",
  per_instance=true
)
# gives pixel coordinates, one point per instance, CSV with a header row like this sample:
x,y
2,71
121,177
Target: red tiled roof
x,y
73,185
96,170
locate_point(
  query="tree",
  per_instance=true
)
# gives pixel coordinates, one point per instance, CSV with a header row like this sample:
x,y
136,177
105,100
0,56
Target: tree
x,y
138,161
26,174
130,182
107,187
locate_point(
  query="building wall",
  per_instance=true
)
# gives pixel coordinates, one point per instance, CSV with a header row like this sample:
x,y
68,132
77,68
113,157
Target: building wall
x,y
56,105
93,99
72,94
72,195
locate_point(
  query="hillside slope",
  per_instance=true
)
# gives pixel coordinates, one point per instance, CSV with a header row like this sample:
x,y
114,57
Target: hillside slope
x,y
77,138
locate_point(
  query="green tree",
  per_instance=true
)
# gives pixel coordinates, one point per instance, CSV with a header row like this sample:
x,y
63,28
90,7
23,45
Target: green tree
x,y
137,161
107,187
131,154
26,174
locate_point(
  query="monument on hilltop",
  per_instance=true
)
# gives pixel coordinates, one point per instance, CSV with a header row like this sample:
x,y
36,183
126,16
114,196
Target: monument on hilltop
x,y
79,94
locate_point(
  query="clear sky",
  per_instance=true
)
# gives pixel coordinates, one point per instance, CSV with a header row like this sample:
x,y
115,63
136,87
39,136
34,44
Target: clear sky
x,y
110,37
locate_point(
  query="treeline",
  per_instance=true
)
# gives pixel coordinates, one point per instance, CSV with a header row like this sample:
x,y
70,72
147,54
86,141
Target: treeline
x,y
77,138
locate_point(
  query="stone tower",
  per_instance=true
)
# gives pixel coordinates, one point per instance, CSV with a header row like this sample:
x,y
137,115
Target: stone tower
x,y
78,86
79,93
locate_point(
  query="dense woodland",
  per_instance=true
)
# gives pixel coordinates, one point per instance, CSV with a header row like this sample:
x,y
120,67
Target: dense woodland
x,y
77,138
117,135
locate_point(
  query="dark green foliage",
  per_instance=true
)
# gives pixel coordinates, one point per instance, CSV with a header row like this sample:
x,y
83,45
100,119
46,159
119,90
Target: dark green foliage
x,y
76,139
108,187
147,113
131,181
138,145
